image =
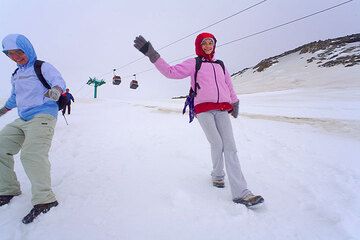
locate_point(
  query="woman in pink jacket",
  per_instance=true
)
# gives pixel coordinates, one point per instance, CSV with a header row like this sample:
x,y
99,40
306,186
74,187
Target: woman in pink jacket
x,y
213,97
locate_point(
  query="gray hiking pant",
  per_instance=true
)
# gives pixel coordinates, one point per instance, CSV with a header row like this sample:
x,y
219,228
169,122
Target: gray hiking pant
x,y
34,139
218,131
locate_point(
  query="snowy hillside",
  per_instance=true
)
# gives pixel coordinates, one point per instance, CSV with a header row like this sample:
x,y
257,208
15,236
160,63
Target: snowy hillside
x,y
138,170
330,64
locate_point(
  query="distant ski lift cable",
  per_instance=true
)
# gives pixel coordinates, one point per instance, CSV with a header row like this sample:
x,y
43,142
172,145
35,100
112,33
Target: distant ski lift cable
x,y
189,35
260,32
248,36
287,23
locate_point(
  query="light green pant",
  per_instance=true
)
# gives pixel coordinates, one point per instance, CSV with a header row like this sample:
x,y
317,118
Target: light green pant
x,y
33,138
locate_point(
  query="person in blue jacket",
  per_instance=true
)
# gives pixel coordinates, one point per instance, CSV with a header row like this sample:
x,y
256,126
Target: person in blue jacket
x,y
32,133
69,98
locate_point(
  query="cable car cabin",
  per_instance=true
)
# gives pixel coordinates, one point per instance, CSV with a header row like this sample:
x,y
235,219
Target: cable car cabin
x,y
134,84
116,80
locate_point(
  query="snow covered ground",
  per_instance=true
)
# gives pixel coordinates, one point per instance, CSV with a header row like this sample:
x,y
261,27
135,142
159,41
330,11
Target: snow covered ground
x,y
126,170
137,170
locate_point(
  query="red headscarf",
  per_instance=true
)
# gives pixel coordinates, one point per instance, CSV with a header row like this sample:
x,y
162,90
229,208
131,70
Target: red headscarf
x,y
198,49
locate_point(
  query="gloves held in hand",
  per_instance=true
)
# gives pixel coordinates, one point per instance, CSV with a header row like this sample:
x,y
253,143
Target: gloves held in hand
x,y
54,93
235,111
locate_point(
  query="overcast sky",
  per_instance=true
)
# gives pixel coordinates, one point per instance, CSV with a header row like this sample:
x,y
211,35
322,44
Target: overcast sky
x,y
87,38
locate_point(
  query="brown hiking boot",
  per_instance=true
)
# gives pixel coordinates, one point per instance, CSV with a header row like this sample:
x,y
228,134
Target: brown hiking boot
x,y
5,199
37,210
249,200
219,183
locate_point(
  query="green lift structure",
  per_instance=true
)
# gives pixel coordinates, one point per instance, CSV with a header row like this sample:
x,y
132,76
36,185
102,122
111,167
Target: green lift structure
x,y
96,82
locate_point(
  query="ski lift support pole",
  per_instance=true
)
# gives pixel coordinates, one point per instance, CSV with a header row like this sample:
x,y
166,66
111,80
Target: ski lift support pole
x,y
96,83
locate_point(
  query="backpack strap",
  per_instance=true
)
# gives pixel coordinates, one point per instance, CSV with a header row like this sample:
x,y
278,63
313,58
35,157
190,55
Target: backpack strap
x,y
37,68
221,64
198,63
15,72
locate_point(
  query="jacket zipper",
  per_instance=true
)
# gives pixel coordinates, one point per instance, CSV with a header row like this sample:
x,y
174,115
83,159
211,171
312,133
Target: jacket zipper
x,y
217,86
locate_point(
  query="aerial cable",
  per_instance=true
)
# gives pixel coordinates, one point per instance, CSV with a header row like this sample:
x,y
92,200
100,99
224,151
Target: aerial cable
x,y
242,38
80,88
149,69
189,35
263,31
284,24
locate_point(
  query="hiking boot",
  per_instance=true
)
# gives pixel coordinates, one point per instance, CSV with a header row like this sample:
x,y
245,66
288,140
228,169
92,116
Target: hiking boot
x,y
249,200
5,199
219,183
37,210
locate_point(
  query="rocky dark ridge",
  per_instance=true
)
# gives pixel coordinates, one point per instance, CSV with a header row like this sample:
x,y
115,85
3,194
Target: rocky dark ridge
x,y
332,52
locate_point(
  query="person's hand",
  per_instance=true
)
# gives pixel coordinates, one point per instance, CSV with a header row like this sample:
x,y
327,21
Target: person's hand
x,y
146,48
3,110
54,93
235,111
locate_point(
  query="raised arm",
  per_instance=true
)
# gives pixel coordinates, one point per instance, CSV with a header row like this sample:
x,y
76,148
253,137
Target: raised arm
x,y
178,71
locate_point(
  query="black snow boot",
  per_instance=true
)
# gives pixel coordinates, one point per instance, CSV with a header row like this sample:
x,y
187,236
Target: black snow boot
x,y
5,199
37,210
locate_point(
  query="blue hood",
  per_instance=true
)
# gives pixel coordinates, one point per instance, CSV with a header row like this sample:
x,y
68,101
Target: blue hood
x,y
18,41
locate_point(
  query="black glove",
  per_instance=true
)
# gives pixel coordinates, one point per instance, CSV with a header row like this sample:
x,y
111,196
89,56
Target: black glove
x,y
235,111
146,48
3,110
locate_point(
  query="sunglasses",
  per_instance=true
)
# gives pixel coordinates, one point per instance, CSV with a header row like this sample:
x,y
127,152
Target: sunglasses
x,y
208,41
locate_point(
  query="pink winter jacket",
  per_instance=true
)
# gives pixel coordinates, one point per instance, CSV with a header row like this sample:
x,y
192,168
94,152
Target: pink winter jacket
x,y
215,87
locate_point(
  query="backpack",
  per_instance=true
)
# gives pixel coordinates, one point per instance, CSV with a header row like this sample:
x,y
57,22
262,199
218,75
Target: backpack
x,y
37,67
193,92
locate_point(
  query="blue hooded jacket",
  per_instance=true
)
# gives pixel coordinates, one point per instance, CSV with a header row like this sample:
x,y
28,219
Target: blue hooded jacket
x,y
27,92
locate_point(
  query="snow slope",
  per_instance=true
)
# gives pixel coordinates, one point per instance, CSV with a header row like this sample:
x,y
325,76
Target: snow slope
x,y
293,72
140,171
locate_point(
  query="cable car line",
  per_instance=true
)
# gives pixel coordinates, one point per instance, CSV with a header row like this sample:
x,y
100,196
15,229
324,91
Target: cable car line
x,y
235,40
189,35
287,23
263,31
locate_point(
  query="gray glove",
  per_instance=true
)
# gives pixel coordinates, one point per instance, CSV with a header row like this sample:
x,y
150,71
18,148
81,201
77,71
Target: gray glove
x,y
54,93
146,48
235,111
3,110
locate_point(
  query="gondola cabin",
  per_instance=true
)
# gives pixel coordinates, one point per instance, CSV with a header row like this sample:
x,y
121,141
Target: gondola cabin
x,y
116,80
134,84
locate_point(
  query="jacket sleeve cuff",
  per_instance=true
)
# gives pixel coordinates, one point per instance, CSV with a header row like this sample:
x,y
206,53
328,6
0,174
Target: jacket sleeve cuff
x,y
8,107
